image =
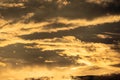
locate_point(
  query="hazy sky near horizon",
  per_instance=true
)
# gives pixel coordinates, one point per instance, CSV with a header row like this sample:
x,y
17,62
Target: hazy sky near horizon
x,y
79,37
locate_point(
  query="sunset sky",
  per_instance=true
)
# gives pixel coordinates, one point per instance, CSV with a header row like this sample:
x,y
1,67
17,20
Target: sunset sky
x,y
59,38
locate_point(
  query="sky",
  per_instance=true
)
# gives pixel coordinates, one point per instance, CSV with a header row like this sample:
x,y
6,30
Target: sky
x,y
59,38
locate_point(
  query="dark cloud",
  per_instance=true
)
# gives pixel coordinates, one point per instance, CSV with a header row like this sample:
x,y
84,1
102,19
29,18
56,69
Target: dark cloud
x,y
13,12
88,34
56,25
100,77
18,55
116,65
112,6
82,9
44,10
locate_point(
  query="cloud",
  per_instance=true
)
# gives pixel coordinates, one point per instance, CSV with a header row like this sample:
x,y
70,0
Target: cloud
x,y
10,33
103,36
100,1
58,44
62,52
2,64
106,3
89,52
86,53
56,73
60,8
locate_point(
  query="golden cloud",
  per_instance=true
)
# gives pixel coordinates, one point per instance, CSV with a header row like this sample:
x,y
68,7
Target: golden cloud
x,y
98,55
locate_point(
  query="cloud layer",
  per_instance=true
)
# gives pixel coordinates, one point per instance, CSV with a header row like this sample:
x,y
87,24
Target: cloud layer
x,y
55,40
